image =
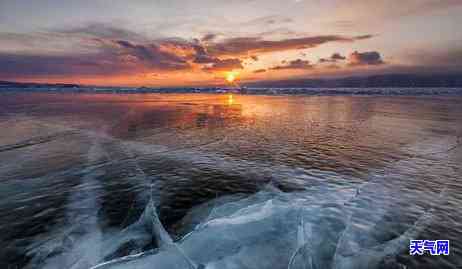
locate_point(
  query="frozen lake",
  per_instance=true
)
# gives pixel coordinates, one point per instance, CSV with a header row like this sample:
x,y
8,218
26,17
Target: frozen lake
x,y
228,181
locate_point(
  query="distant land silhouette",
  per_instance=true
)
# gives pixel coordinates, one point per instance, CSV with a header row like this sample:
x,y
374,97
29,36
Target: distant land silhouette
x,y
373,81
13,84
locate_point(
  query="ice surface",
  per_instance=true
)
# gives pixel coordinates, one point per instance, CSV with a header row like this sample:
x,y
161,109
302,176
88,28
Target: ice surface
x,y
272,229
321,226
79,244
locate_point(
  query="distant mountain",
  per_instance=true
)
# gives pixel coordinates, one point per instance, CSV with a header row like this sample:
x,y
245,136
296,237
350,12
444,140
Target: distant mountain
x,y
12,84
310,85
388,80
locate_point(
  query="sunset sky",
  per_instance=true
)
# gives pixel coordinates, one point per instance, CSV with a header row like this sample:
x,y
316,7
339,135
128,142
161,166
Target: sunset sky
x,y
198,42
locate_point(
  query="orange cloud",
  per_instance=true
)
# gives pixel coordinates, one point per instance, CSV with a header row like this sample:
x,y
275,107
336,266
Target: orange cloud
x,y
225,65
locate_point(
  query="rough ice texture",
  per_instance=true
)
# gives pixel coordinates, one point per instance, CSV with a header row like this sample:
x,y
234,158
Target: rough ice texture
x,y
317,228
323,226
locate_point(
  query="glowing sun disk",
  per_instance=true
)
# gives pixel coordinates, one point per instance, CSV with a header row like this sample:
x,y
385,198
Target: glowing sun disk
x,y
231,76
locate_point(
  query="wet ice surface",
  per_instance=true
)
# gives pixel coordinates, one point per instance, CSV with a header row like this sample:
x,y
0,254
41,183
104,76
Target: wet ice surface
x,y
220,181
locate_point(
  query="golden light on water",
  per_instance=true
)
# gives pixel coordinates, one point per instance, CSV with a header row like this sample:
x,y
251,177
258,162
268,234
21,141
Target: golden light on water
x,y
230,99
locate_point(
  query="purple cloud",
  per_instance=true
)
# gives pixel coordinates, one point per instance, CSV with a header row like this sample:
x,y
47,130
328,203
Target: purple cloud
x,y
295,64
365,58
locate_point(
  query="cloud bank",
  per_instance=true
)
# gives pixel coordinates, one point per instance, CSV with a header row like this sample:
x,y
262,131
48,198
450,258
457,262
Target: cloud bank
x,y
113,50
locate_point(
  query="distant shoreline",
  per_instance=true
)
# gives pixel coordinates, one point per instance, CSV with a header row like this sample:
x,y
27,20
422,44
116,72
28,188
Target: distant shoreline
x,y
389,81
383,91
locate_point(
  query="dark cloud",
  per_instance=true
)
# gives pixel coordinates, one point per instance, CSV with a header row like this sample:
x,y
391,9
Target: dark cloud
x,y
204,59
251,45
337,56
152,55
254,57
360,37
114,50
116,57
201,55
365,58
333,58
259,71
295,64
208,37
14,65
225,65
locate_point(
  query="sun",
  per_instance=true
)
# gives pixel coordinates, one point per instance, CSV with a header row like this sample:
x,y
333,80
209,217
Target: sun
x,y
231,76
